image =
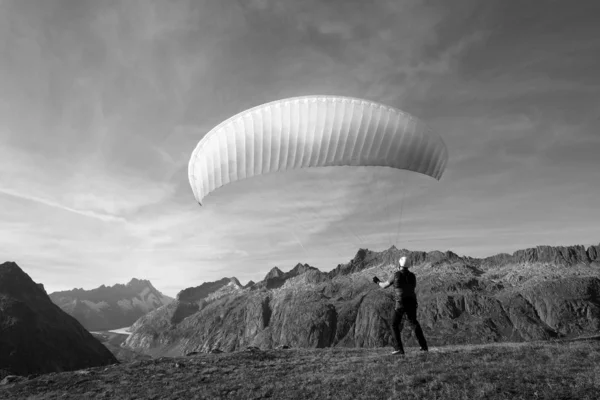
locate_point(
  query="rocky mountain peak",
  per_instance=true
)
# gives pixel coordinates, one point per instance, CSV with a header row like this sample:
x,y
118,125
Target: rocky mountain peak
x,y
134,282
274,273
15,282
593,253
235,282
37,336
197,293
276,277
361,254
301,269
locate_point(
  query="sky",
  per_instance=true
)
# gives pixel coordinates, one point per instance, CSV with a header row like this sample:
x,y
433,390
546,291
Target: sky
x,y
102,103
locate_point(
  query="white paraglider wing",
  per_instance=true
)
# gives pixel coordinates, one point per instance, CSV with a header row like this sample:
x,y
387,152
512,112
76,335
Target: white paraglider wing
x,y
314,131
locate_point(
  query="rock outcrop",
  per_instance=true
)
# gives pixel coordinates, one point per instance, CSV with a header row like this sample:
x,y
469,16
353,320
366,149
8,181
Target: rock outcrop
x,y
533,294
593,253
190,301
111,307
36,336
571,255
198,293
277,278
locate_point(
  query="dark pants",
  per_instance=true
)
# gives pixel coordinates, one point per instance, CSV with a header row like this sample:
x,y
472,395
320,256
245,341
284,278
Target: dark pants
x,y
408,307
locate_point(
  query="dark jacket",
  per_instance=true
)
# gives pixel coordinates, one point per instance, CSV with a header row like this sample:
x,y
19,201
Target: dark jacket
x,y
404,283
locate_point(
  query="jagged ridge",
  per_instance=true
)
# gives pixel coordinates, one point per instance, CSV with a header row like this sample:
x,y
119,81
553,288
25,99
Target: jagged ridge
x,y
515,297
111,307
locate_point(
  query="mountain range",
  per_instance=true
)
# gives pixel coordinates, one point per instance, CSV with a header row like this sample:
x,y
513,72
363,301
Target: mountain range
x,y
533,294
110,307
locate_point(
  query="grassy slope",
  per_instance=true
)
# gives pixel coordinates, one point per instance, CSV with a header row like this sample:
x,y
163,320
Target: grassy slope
x,y
535,370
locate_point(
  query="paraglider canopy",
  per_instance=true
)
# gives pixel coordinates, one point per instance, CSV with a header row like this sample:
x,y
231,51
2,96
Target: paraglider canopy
x,y
313,131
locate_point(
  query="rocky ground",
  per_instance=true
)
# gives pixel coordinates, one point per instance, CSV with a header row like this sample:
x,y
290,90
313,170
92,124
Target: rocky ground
x,y
534,370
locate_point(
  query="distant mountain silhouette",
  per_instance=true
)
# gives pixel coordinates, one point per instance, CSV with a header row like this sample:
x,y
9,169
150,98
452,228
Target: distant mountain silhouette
x,y
111,307
538,293
36,336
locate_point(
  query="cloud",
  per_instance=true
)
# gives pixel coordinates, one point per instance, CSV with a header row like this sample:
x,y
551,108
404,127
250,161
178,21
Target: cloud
x,y
101,105
82,188
91,214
